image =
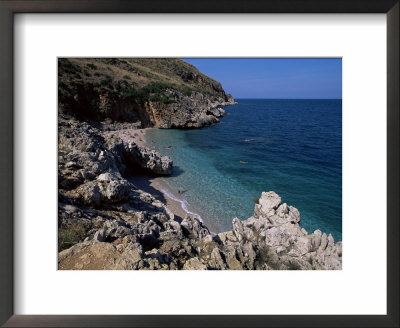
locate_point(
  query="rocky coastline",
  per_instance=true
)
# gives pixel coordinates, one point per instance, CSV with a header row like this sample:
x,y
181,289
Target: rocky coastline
x,y
161,93
106,222
120,226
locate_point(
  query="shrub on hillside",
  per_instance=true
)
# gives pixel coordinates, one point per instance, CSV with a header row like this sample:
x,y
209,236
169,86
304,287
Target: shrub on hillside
x,y
91,66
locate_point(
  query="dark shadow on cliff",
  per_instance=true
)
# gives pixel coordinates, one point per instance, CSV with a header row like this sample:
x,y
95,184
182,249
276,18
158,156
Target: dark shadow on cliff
x,y
143,181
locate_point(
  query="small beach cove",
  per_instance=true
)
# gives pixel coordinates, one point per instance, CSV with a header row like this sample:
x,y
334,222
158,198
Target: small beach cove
x,y
261,145
220,170
157,186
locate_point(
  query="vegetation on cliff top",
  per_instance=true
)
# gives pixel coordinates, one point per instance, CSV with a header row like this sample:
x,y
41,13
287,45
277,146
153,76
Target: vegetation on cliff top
x,y
83,81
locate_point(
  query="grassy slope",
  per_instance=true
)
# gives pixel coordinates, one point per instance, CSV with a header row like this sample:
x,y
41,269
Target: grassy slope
x,y
89,87
135,74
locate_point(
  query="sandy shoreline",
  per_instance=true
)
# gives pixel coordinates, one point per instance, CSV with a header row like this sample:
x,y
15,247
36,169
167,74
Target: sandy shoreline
x,y
170,200
153,185
157,188
132,135
177,204
173,204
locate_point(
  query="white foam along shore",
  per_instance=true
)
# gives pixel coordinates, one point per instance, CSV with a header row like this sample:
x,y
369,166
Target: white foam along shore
x,y
168,194
178,205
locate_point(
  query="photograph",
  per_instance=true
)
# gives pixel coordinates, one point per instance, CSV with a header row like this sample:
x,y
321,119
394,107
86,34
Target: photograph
x,y
204,143
199,163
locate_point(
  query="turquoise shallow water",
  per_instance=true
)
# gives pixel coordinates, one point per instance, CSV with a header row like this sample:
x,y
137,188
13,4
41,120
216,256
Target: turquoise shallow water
x,y
293,147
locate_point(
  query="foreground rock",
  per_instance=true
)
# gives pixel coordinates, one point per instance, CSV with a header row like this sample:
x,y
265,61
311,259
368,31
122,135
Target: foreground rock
x,y
154,239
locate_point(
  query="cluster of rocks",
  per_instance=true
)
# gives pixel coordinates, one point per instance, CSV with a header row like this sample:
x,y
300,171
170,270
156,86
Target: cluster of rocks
x,y
126,228
194,111
85,153
110,125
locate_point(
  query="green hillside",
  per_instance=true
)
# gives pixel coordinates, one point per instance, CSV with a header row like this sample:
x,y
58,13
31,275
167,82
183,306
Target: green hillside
x,y
138,78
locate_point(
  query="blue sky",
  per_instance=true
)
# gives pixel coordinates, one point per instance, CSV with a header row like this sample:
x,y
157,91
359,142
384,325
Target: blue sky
x,y
285,78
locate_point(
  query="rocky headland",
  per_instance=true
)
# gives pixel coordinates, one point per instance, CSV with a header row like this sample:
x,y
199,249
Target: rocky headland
x,y
106,222
161,93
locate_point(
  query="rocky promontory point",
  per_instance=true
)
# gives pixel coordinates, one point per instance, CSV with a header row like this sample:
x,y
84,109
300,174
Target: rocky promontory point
x,y
161,92
106,222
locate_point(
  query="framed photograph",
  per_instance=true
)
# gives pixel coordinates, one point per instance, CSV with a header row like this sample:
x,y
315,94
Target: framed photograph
x,y
206,164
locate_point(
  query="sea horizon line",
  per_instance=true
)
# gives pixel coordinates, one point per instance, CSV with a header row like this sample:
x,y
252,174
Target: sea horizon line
x,y
259,98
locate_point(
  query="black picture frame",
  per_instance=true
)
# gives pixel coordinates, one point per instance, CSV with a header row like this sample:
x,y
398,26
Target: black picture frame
x,y
10,7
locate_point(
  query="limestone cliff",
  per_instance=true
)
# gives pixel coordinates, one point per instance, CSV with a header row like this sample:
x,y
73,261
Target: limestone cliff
x,y
157,92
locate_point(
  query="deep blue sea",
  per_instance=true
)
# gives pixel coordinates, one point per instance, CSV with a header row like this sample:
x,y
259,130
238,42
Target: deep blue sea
x,y
293,147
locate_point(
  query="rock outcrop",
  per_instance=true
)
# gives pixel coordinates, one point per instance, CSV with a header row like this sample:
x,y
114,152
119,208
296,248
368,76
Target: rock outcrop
x,y
105,222
148,159
193,111
85,152
158,92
